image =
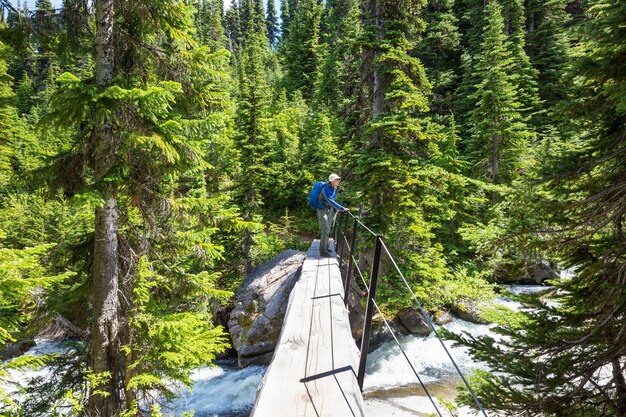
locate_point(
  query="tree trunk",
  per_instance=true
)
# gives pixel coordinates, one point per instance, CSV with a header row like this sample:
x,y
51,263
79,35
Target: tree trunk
x,y
378,90
105,347
620,386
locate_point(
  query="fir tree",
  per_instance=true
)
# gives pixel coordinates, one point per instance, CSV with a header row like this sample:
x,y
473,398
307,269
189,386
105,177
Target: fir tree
x,y
234,30
566,358
9,120
499,134
138,156
526,75
471,23
209,19
394,173
46,30
338,86
439,51
285,18
549,49
272,24
252,137
301,49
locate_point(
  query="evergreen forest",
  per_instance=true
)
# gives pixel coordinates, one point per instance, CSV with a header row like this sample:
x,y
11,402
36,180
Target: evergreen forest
x,y
154,152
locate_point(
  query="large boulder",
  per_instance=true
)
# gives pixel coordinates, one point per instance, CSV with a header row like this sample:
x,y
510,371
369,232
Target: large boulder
x,y
528,272
414,322
441,317
256,321
469,311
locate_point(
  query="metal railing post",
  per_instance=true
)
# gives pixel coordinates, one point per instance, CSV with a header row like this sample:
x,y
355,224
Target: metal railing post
x,y
344,232
369,312
350,262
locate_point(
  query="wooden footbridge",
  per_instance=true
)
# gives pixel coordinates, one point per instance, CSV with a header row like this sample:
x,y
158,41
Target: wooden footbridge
x,y
317,369
313,372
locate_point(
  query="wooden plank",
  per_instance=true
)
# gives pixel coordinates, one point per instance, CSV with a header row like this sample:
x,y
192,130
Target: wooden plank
x,y
313,371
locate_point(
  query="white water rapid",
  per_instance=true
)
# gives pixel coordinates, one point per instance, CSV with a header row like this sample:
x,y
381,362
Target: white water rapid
x,y
391,388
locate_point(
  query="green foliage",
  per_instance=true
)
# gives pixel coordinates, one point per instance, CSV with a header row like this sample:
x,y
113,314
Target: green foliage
x,y
13,131
272,23
564,362
215,150
438,49
167,343
209,17
24,279
301,49
550,49
499,135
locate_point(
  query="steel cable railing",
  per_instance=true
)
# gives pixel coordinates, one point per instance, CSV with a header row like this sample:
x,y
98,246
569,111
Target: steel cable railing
x,y
371,303
395,338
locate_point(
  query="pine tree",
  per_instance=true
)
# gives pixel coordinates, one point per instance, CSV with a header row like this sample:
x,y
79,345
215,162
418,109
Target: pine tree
x,y
460,198
522,69
272,24
209,17
471,23
301,49
499,134
394,173
234,30
139,140
439,51
338,86
549,48
8,119
105,342
565,356
285,18
253,137
46,30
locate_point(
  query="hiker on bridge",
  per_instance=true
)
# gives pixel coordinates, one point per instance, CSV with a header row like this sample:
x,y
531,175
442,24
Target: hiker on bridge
x,y
325,204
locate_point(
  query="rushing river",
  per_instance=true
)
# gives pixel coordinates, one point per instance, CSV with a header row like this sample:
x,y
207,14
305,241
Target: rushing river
x,y
390,388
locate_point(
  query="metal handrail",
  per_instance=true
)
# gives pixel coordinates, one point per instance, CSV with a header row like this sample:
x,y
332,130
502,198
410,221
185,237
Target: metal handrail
x,y
371,303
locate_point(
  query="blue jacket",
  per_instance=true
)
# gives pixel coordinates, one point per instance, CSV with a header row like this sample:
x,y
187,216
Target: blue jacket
x,y
330,194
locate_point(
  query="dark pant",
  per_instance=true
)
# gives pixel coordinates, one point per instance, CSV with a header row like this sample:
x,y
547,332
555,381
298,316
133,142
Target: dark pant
x,y
323,217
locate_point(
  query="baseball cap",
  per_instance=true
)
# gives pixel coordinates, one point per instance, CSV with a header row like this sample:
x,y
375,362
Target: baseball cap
x,y
333,177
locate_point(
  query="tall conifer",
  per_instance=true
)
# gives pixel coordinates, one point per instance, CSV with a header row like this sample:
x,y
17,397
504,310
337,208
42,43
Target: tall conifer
x,y
393,155
338,85
209,17
138,128
234,30
439,51
499,135
272,23
549,48
252,137
565,356
522,68
285,18
301,49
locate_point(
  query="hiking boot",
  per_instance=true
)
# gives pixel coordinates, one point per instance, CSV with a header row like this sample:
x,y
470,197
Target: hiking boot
x,y
325,255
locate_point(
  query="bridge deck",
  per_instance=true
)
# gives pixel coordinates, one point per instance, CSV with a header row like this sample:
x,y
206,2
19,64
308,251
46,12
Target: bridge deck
x,y
313,371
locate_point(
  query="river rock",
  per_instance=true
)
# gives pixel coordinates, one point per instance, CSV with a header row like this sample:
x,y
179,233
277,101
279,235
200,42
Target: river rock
x,y
414,322
256,321
441,317
533,273
16,349
469,312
